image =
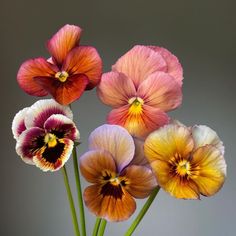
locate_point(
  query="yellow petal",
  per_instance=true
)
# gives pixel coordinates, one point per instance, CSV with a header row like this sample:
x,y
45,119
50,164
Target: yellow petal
x,y
168,141
208,169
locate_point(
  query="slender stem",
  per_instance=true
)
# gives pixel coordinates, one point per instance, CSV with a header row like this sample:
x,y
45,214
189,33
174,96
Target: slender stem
x,y
142,212
102,227
79,192
71,202
96,226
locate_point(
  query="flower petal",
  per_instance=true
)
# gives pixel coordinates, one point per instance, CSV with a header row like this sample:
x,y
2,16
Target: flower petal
x,y
115,89
64,92
115,140
138,125
139,157
84,60
29,142
94,163
160,90
108,206
140,180
62,127
166,142
41,110
174,67
209,169
30,69
63,41
53,158
204,135
18,123
175,185
139,62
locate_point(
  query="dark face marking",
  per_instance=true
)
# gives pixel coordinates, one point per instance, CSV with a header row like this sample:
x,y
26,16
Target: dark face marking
x,y
53,154
109,189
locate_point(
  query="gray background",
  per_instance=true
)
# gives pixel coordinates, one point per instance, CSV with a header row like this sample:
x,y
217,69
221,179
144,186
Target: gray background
x,y
201,33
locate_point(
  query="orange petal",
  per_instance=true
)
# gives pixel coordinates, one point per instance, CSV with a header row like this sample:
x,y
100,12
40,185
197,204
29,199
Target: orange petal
x,y
63,41
175,185
166,142
31,69
64,92
138,125
140,62
115,89
107,206
84,60
140,181
208,169
94,163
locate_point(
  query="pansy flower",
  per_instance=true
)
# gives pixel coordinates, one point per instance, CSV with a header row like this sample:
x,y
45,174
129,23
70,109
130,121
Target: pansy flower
x,y
115,181
70,70
143,85
186,161
45,134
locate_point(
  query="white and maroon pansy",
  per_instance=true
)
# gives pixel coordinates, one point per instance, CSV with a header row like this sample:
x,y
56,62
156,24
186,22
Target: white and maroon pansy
x,y
45,134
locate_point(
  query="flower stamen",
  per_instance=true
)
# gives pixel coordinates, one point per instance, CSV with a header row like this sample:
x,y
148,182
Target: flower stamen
x,y
62,76
50,140
135,105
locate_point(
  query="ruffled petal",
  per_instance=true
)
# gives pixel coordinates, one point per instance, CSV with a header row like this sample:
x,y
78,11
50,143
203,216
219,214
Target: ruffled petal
x,y
174,185
53,158
174,67
64,92
204,135
139,62
63,41
208,169
115,140
139,157
160,90
31,69
41,110
108,206
138,125
95,163
164,143
140,180
18,123
115,89
29,142
84,60
62,127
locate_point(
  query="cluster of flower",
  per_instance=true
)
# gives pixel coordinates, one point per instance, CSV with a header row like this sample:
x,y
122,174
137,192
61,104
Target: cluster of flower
x,y
139,149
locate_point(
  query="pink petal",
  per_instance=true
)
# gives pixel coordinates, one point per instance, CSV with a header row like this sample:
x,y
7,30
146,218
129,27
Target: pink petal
x,y
41,110
18,123
138,125
84,60
62,127
115,89
160,90
63,41
116,140
174,67
139,63
31,69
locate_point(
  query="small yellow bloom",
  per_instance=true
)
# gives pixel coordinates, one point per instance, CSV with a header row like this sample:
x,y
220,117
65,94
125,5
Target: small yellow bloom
x,y
187,162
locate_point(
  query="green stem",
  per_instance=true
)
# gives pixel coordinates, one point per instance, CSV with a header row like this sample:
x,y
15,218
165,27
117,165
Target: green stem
x,y
142,212
96,226
102,227
71,202
79,192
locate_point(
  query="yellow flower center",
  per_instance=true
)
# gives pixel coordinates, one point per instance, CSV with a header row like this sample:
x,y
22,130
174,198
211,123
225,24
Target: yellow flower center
x,y
183,168
62,76
50,140
115,181
135,105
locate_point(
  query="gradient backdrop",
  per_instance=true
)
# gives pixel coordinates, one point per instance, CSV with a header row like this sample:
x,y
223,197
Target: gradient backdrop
x,y
202,35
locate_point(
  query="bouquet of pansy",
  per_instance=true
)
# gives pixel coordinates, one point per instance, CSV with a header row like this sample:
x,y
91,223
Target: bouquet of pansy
x,y
137,152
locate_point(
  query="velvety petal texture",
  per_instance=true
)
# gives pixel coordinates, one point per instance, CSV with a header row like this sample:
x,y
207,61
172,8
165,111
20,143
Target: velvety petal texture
x,y
182,170
63,41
